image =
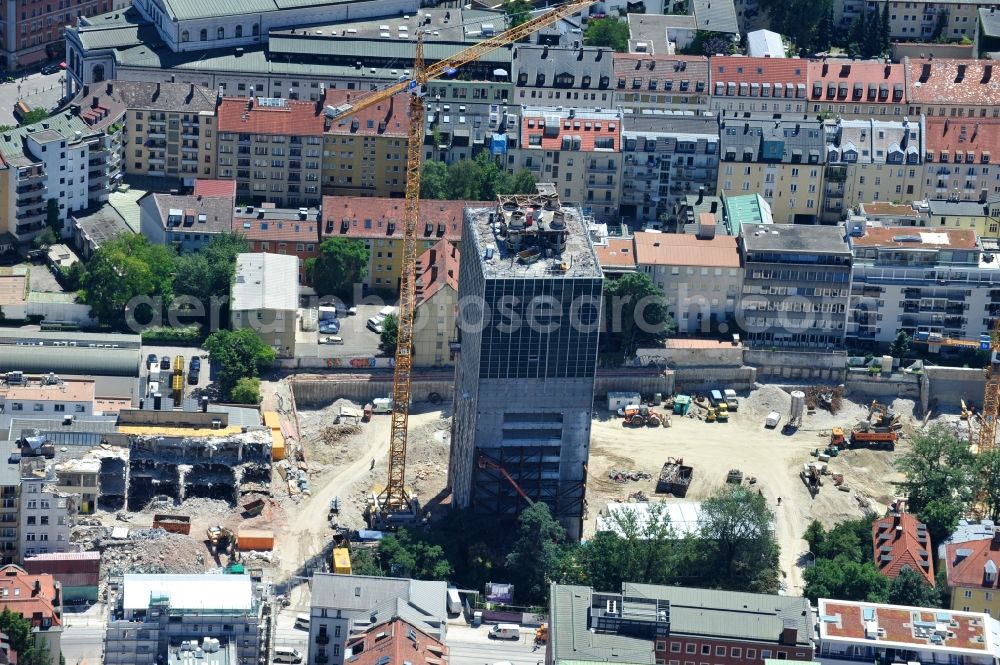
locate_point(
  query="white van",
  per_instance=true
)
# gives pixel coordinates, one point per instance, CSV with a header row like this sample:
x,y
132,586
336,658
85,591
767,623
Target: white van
x,y
505,631
302,621
287,655
382,405
386,311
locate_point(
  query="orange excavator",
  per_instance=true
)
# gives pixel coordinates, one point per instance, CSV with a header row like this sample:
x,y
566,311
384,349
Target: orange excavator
x,y
487,463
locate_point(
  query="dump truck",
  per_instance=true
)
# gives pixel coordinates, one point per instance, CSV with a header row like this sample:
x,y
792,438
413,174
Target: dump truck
x,y
675,477
879,431
638,415
837,439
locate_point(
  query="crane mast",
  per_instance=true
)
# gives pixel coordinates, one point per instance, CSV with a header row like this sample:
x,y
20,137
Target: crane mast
x,y
394,499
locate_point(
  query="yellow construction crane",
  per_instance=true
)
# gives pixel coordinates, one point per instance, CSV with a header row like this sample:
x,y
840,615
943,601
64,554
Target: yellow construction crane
x,y
988,414
394,500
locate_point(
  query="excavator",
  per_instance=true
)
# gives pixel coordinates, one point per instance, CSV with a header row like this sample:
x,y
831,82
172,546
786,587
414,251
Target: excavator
x,y
879,431
638,415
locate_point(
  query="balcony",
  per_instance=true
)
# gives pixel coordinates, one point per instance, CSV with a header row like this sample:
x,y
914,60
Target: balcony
x,y
190,134
156,160
32,177
322,658
601,185
34,200
323,638
157,135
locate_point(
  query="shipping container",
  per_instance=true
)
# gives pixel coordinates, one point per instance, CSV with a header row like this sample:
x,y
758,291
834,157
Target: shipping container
x,y
618,400
342,561
255,539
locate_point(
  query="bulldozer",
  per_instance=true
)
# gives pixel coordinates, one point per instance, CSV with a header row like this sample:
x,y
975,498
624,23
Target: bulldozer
x,y
638,415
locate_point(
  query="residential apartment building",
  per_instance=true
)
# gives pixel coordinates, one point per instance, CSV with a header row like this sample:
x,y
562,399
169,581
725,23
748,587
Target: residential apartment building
x,y
280,231
32,31
49,395
46,515
959,159
150,615
379,223
436,305
972,568
758,85
65,158
644,81
571,76
854,89
924,21
265,297
899,542
677,28
37,598
666,157
10,487
797,285
870,160
80,476
456,132
645,623
524,393
272,148
699,274
578,151
169,128
981,217
919,280
364,154
343,605
187,222
398,640
851,631
951,88
782,159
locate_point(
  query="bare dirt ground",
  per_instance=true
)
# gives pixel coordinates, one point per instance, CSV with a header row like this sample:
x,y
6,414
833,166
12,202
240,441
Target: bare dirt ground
x,y
770,456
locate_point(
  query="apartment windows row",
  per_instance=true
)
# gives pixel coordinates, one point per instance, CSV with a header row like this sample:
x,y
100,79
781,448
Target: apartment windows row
x,y
724,652
40,406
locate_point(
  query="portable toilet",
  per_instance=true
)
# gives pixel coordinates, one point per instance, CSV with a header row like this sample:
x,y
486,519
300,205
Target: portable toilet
x,y
682,404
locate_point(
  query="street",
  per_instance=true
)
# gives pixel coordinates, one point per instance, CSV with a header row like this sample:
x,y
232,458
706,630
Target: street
x,y
83,638
37,91
471,646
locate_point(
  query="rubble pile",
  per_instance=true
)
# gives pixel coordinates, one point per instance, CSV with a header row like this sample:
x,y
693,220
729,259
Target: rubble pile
x,y
334,434
152,551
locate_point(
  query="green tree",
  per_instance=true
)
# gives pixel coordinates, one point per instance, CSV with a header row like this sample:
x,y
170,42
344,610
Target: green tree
x,y
342,263
537,550
987,465
19,632
210,272
246,391
465,181
846,579
33,116
823,39
407,555
940,479
46,238
517,11
901,345
53,218
611,32
884,42
740,550
522,182
815,536
237,355
940,25
364,562
635,550
850,539
122,269
434,180
911,588
635,311
390,329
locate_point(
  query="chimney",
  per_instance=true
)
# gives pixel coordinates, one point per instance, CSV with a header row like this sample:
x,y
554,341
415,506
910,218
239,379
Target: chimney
x,y
701,195
789,633
157,401
95,102
826,67
156,94
110,88
899,532
987,74
995,541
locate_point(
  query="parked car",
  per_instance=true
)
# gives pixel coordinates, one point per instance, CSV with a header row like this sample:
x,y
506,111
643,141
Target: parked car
x,y
151,360
332,340
165,362
193,377
195,363
50,69
375,325
330,327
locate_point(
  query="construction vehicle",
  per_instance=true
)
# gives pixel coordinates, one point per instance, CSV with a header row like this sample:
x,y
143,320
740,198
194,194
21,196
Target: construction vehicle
x,y
837,439
220,541
988,416
486,462
722,412
639,415
177,380
675,477
710,415
392,505
811,475
735,476
879,432
966,410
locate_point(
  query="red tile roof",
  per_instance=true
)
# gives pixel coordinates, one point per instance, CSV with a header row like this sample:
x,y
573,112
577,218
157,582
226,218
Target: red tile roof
x,y
952,81
898,622
900,540
618,253
588,129
849,80
270,230
388,118
739,69
215,188
975,563
909,237
660,68
437,268
371,217
686,249
960,138
397,641
292,118
34,597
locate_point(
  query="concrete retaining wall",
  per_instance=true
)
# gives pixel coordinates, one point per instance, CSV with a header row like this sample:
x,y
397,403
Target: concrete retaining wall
x,y
884,387
317,391
948,385
700,379
772,366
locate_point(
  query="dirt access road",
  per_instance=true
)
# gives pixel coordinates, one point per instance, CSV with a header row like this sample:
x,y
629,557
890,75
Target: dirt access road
x,y
744,443
308,532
